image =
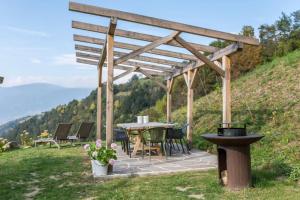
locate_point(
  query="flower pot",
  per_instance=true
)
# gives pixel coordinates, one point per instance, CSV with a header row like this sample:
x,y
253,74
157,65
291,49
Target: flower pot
x,y
98,168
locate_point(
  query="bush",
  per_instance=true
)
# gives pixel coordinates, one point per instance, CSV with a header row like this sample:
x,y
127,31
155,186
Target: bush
x,y
26,140
3,144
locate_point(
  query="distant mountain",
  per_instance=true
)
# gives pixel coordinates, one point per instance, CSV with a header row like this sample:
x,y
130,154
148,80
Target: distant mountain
x,y
20,101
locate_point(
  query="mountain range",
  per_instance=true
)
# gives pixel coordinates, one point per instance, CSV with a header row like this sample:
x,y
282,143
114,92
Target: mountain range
x,y
25,100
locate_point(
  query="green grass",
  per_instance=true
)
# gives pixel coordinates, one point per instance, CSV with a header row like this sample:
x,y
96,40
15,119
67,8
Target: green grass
x,y
66,174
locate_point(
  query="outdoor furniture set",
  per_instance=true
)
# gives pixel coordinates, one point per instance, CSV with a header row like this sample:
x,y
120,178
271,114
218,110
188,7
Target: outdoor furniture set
x,y
151,137
62,134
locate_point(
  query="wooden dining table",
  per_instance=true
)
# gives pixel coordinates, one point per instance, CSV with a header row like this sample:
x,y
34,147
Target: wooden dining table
x,y
140,128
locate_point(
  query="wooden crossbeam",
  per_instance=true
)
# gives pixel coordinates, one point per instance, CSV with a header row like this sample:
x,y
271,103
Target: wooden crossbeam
x,y
126,16
199,55
111,30
130,63
152,78
137,36
123,74
89,49
147,48
120,67
127,46
230,49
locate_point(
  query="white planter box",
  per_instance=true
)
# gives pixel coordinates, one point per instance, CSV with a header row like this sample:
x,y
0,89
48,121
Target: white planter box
x,y
98,169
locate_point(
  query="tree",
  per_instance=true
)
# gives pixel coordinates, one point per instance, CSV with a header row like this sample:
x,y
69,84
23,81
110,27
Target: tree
x,y
247,31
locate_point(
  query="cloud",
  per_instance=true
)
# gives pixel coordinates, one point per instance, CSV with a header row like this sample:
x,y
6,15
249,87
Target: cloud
x,y
27,31
36,61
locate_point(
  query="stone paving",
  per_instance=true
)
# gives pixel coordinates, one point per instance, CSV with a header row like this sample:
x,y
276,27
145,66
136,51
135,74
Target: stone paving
x,y
178,162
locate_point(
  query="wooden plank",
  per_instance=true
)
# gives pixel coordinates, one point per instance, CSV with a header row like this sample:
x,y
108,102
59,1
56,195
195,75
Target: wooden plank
x,y
109,90
226,91
137,36
190,99
230,49
130,63
120,67
99,104
146,48
131,17
199,55
140,58
152,78
127,46
169,100
110,31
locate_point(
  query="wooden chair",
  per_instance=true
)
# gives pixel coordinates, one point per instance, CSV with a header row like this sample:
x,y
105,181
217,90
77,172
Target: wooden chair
x,y
61,134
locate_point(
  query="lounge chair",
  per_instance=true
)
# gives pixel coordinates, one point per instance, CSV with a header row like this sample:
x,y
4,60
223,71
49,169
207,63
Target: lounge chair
x,y
61,134
83,132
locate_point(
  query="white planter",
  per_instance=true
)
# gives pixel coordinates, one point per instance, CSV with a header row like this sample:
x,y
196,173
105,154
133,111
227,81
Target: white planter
x,y
98,168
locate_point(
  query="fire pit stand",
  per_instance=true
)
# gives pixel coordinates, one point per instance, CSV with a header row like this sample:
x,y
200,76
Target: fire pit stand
x,y
234,161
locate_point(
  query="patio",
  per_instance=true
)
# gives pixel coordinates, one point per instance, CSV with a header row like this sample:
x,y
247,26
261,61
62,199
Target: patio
x,y
178,162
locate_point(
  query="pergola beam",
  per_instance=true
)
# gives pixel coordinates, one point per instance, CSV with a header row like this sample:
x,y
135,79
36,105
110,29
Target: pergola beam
x,y
137,36
120,67
199,55
147,47
130,63
127,46
123,74
126,16
83,48
230,49
153,79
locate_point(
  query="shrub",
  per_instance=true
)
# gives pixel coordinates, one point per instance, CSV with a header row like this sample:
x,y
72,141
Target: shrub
x,y
295,173
26,140
3,144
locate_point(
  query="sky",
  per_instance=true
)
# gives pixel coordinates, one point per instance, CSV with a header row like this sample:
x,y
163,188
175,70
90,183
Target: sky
x,y
36,36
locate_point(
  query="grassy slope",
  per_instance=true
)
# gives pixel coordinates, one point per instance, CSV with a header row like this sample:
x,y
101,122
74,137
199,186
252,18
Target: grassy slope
x,y
46,173
268,99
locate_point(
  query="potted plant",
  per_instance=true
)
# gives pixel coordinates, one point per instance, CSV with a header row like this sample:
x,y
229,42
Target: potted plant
x,y
101,157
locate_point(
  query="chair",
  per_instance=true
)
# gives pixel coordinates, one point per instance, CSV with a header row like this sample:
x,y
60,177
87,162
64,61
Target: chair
x,y
83,132
175,134
120,135
61,134
154,136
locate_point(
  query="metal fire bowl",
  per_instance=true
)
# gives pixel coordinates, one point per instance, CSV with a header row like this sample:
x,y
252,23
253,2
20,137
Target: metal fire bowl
x,y
232,140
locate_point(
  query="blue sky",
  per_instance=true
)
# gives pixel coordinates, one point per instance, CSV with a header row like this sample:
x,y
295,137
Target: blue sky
x,y
36,36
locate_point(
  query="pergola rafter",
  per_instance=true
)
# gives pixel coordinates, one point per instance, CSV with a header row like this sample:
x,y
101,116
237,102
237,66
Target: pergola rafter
x,y
150,65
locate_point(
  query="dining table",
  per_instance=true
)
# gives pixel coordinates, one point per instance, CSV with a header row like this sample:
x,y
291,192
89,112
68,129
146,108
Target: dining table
x,y
140,128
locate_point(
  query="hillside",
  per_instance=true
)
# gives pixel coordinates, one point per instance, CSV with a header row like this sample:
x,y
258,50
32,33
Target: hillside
x,y
130,98
268,100
24,100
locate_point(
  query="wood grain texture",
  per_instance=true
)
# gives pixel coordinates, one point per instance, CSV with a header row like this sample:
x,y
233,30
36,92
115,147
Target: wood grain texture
x,y
141,19
137,36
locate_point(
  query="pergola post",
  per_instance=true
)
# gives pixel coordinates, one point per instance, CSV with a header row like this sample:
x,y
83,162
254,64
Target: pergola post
x,y
99,104
169,99
109,90
189,77
226,92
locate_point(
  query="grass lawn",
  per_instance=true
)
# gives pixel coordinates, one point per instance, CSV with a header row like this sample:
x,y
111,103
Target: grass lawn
x,y
49,173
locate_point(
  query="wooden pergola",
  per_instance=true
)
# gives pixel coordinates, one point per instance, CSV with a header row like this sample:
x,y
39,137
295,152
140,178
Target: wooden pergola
x,y
151,66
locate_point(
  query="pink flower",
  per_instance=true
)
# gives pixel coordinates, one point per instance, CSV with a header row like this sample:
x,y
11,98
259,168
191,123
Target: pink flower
x,y
86,146
98,143
111,161
114,146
